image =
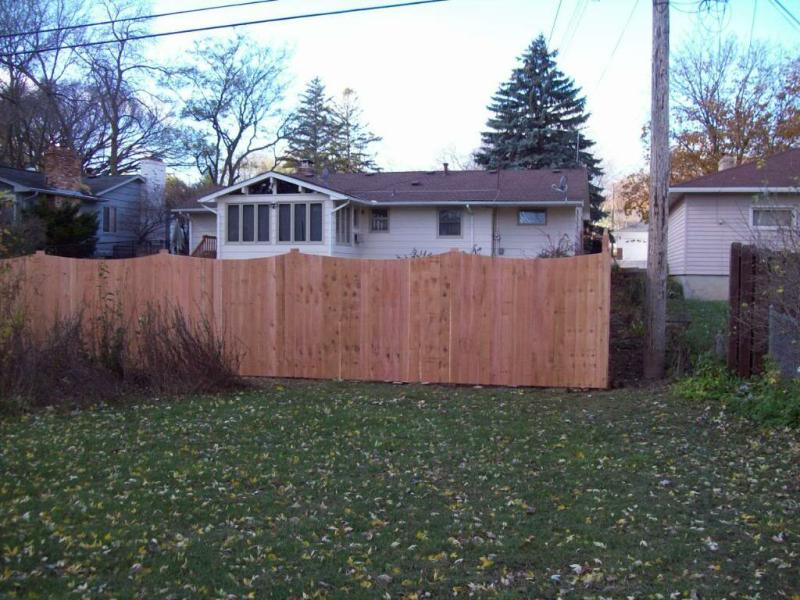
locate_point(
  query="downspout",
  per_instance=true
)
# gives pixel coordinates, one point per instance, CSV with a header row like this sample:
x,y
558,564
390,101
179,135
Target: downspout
x,y
494,231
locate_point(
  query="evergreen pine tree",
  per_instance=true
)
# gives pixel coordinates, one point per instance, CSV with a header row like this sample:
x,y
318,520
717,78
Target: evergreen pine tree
x,y
350,150
312,128
537,115
67,231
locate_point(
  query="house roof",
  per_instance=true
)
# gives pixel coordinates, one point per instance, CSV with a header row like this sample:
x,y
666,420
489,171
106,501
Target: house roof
x,y
457,186
780,170
25,180
436,187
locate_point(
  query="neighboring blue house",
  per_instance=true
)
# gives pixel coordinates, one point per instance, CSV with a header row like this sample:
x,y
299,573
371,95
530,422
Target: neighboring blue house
x,y
130,208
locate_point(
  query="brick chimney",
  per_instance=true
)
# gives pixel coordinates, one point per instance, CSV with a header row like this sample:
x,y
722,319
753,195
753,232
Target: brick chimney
x,y
306,168
62,169
727,162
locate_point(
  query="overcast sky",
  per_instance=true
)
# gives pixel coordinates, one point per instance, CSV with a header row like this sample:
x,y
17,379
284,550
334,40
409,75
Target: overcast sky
x,y
425,74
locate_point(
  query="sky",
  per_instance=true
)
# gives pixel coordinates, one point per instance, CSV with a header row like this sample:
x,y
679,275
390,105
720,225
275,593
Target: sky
x,y
425,74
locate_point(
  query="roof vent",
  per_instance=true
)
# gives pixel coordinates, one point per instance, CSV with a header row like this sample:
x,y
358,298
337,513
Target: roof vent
x,y
416,183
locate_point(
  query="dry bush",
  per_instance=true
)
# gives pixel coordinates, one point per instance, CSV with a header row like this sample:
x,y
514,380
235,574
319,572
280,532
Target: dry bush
x,y
174,355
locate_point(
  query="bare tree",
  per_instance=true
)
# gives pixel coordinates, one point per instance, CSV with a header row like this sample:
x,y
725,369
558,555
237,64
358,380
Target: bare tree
x,y
233,93
731,100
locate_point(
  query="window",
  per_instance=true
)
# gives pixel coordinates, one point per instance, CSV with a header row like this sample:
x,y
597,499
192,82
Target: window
x,y
285,223
233,222
449,222
532,216
772,217
248,222
109,219
344,220
300,222
263,222
379,220
316,223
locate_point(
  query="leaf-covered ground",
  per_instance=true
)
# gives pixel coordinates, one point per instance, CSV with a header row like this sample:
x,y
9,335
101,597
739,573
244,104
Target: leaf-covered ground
x,y
350,490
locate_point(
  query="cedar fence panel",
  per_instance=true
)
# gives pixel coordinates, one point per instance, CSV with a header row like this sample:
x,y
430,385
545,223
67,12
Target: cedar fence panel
x,y
450,318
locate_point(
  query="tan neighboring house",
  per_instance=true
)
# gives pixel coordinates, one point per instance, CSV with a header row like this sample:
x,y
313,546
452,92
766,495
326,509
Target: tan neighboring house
x,y
754,203
388,215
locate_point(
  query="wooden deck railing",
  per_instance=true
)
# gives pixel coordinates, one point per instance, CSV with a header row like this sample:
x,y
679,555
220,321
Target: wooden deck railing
x,y
207,248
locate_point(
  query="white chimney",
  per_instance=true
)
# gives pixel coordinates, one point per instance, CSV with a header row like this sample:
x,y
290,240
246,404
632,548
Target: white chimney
x,y
154,172
727,162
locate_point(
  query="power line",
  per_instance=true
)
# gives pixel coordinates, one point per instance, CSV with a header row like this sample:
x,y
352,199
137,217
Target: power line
x,y
581,7
619,41
787,13
139,18
555,19
214,27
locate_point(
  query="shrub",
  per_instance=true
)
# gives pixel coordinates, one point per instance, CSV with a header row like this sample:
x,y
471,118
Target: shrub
x,y
76,363
177,356
766,399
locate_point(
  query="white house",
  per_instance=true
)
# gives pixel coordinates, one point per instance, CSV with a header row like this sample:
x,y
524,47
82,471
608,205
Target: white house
x,y
389,215
630,246
754,203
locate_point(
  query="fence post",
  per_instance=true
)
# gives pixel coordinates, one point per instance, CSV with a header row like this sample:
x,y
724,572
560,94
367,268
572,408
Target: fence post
x,y
734,302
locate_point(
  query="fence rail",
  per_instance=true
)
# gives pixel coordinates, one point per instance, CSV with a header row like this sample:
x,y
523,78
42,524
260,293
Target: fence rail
x,y
450,318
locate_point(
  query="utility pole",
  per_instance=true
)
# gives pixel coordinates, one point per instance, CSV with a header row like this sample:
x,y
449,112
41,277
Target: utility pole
x,y
656,294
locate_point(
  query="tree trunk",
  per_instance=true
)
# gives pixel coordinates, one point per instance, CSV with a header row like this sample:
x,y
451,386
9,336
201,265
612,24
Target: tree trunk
x,y
656,295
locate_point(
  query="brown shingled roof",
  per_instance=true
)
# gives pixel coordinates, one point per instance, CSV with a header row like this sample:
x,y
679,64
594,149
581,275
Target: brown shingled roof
x,y
457,186
778,171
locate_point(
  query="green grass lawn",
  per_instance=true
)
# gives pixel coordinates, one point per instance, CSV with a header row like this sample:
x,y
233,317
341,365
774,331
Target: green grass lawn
x,y
348,490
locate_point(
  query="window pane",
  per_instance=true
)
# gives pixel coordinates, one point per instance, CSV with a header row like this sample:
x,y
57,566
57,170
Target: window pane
x,y
764,217
299,222
316,222
248,223
285,223
532,217
449,222
263,222
380,219
106,218
233,222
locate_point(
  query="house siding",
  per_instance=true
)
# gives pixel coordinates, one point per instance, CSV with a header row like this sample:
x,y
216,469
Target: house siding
x,y
528,241
713,222
202,224
676,238
410,228
126,200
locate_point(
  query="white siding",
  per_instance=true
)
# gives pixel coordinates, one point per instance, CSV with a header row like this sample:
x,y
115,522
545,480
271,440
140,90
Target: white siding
x,y
418,228
204,223
409,228
714,222
676,239
527,241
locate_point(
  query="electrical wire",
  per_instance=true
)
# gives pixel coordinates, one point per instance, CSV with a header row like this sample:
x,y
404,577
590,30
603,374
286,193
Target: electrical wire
x,y
139,18
214,27
555,20
619,41
786,13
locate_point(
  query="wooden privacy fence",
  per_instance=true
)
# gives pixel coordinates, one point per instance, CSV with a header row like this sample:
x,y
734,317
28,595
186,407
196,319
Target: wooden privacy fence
x,y
757,275
451,318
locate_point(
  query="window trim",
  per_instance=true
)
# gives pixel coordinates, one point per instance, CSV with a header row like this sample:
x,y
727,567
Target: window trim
x,y
372,217
460,234
534,210
240,210
307,241
109,224
790,209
